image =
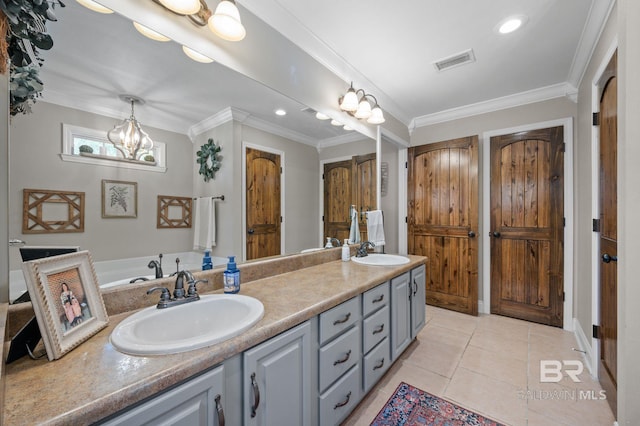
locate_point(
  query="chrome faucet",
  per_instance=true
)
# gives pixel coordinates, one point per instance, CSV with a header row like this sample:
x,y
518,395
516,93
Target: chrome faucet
x,y
362,250
180,296
157,265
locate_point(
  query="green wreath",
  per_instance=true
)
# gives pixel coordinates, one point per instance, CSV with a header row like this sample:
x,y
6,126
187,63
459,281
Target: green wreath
x,y
209,159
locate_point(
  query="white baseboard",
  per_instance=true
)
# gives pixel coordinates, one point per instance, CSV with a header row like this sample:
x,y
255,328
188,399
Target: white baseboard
x,y
583,343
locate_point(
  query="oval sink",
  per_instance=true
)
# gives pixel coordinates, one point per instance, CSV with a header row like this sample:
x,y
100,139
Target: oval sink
x,y
379,259
210,320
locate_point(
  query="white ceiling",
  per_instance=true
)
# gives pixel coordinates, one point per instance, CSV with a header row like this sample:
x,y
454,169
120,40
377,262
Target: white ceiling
x,y
386,48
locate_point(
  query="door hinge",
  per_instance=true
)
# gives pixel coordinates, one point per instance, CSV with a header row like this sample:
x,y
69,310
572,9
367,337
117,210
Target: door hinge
x,y
564,147
280,219
564,221
406,164
596,331
323,176
323,218
596,119
563,296
596,225
406,219
280,170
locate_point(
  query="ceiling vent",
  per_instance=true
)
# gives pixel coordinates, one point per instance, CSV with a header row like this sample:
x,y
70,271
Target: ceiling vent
x,y
456,60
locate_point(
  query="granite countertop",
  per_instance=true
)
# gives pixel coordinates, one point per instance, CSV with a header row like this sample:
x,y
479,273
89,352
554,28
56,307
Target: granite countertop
x,y
94,380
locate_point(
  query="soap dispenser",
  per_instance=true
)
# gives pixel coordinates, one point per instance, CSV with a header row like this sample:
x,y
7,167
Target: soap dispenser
x,y
206,261
346,255
232,276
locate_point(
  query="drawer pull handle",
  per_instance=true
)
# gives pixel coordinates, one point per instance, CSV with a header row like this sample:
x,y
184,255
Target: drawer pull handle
x,y
343,360
256,395
220,411
375,367
378,299
343,320
379,329
342,404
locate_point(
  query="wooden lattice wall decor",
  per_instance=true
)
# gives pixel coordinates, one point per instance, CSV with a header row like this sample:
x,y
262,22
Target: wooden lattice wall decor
x,y
168,206
36,202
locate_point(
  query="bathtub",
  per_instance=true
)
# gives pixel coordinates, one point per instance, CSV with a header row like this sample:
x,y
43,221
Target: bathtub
x,y
112,273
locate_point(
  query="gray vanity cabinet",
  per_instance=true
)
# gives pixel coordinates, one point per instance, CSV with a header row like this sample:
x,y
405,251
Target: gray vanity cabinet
x,y
277,383
376,358
407,309
200,401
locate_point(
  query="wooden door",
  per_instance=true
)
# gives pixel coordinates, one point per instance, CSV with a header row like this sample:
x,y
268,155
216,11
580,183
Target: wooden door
x,y
443,220
263,204
527,225
337,199
608,331
364,189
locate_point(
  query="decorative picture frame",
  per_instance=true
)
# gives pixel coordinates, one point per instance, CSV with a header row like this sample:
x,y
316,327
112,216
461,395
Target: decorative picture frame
x,y
119,199
37,219
168,206
66,299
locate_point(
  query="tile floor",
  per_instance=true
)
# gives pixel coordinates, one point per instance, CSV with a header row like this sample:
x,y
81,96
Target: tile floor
x,y
491,364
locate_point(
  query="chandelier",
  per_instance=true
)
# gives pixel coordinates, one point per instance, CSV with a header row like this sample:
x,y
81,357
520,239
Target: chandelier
x,y
360,107
128,136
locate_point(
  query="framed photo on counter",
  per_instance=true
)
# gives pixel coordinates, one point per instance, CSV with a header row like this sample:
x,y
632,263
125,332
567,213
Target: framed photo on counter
x,y
66,300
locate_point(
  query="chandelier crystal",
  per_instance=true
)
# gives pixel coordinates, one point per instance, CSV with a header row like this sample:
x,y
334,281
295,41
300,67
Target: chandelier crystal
x,y
128,137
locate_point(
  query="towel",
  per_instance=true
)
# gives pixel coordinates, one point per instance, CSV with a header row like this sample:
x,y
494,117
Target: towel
x,y
375,227
204,232
354,232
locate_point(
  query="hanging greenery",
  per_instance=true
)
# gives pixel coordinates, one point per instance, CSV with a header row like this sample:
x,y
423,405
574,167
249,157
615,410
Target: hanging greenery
x,y
22,35
209,159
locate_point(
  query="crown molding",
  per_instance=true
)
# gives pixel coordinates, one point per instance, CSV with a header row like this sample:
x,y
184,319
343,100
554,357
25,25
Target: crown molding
x,y
340,140
505,102
598,15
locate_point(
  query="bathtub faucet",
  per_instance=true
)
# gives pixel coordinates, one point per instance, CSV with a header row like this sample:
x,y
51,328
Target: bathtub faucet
x,y
157,265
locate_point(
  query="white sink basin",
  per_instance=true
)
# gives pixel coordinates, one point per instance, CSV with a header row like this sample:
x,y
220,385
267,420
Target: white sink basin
x,y
210,320
379,259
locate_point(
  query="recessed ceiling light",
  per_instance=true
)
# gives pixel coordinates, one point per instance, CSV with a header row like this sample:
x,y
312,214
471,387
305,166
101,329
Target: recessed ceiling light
x,y
321,116
280,112
511,24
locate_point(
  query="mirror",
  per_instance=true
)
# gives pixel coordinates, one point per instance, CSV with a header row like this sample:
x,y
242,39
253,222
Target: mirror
x,y
98,57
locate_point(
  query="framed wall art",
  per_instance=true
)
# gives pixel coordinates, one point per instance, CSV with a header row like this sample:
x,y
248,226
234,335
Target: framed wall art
x,y
119,199
45,211
66,299
174,212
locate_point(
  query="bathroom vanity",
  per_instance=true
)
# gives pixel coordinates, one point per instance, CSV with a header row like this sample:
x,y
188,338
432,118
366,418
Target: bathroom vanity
x,y
328,334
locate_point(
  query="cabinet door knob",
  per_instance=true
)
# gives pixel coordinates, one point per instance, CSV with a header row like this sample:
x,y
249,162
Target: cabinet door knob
x,y
471,234
256,395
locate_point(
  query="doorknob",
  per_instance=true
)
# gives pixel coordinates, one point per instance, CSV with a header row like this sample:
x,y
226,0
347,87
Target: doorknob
x,y
495,234
471,234
606,258
250,231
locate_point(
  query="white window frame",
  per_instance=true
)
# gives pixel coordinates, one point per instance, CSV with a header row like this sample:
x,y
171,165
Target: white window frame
x,y
69,132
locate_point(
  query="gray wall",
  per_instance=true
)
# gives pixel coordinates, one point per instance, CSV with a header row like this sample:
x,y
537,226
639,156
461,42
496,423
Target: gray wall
x,y
36,143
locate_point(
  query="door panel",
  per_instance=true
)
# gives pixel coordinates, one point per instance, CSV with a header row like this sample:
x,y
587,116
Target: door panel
x,y
443,220
527,225
608,368
337,199
364,189
263,204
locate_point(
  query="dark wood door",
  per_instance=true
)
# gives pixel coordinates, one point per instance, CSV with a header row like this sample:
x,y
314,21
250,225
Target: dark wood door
x,y
364,189
443,220
338,197
608,120
527,225
263,204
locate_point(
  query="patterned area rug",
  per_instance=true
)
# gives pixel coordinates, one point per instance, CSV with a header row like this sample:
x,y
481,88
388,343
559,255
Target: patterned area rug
x,y
410,406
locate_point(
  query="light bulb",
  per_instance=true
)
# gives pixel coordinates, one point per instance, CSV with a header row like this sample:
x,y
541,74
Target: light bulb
x,y
182,7
225,22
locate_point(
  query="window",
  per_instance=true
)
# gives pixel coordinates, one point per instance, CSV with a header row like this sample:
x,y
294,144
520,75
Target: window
x,y
103,152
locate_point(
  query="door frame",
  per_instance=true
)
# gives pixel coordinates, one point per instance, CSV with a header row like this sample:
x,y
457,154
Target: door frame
x,y
243,226
567,124
593,349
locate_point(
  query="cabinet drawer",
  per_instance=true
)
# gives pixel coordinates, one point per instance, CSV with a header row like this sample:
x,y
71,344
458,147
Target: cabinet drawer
x,y
375,298
339,318
337,402
375,364
336,357
374,329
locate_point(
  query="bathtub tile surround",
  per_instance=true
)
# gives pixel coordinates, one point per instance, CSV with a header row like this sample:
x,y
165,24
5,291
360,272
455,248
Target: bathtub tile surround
x,y
111,381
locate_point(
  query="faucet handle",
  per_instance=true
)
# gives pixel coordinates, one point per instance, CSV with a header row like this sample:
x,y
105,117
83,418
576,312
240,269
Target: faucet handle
x,y
165,296
192,290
